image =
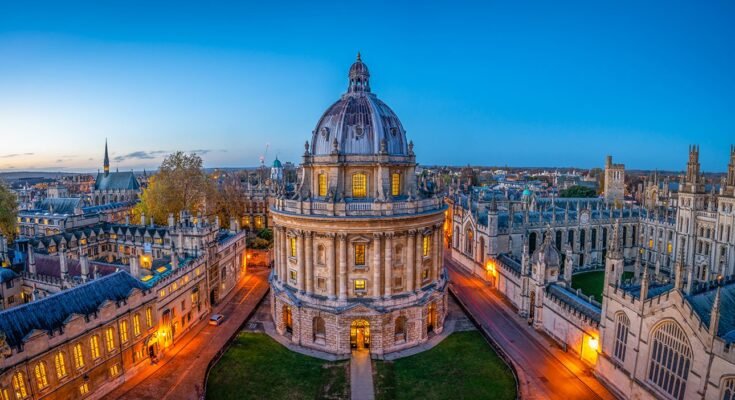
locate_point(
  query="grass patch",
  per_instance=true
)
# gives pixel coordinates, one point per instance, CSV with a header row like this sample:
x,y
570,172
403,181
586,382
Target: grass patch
x,y
591,283
258,367
463,366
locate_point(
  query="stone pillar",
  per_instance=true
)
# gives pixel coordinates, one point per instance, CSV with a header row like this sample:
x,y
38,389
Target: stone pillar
x,y
410,260
388,267
342,266
309,253
300,264
276,248
419,261
376,264
331,268
284,256
436,252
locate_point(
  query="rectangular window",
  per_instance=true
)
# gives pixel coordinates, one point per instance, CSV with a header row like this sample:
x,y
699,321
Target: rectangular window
x,y
94,346
136,325
360,254
78,356
359,185
292,246
110,338
398,283
293,275
149,317
124,331
360,285
84,389
395,184
321,283
114,370
426,248
322,185
424,275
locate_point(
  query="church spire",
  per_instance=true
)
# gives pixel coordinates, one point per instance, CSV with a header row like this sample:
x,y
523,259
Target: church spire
x,y
106,164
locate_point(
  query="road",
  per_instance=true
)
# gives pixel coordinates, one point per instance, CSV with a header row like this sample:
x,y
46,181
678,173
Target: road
x,y
545,371
180,375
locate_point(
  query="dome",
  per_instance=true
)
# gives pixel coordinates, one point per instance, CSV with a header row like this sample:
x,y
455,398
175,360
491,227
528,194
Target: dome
x,y
359,122
526,192
277,163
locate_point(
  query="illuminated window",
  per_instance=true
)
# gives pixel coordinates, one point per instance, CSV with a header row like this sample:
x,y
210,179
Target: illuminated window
x,y
395,184
19,386
110,339
123,331
115,370
293,275
426,248
360,254
322,185
94,346
41,378
5,394
84,389
60,364
149,317
360,285
622,324
78,356
292,246
650,243
136,325
258,222
424,275
670,247
359,185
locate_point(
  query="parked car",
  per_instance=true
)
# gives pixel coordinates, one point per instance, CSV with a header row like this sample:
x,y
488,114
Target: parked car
x,y
216,319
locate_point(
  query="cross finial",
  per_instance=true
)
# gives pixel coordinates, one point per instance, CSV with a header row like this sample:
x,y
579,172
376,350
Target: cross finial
x,y
358,56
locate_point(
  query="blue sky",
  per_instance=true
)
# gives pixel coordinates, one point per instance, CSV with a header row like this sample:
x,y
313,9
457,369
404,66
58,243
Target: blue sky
x,y
491,83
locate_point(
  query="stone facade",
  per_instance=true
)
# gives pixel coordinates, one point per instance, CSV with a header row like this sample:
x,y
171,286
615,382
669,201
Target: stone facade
x,y
357,244
614,189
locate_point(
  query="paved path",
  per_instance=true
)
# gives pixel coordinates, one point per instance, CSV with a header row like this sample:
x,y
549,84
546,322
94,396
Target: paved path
x,y
361,376
545,372
180,376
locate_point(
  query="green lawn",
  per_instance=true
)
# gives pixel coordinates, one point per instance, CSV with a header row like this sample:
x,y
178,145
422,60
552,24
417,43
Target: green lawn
x,y
463,366
257,367
591,282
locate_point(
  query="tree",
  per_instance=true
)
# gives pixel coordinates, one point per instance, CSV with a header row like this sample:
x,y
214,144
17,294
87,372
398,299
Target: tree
x,y
228,198
179,185
578,191
8,212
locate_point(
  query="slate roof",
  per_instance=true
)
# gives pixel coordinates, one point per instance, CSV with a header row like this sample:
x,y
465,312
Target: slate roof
x,y
51,313
654,289
64,205
50,266
577,303
7,274
702,305
116,181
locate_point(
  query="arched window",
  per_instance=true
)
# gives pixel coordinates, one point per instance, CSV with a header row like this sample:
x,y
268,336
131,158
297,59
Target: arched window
x,y
136,325
322,180
359,185
41,376
78,356
320,330
400,330
395,184
124,331
669,359
60,365
469,241
94,346
19,385
622,325
728,389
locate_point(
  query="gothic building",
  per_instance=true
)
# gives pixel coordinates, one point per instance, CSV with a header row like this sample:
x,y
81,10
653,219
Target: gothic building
x,y
358,242
614,189
664,327
114,187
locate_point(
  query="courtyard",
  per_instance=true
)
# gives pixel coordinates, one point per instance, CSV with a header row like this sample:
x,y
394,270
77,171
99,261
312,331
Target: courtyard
x,y
591,283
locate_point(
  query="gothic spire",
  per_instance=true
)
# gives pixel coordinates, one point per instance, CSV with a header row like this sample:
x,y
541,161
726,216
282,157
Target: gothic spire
x,y
106,164
714,318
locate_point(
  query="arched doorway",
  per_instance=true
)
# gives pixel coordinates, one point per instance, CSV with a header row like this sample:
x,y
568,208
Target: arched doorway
x,y
287,319
360,334
431,319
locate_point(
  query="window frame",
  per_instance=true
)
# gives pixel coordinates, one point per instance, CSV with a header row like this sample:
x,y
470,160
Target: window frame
x,y
359,185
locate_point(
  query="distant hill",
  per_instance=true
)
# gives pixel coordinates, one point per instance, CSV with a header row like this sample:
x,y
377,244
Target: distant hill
x,y
13,176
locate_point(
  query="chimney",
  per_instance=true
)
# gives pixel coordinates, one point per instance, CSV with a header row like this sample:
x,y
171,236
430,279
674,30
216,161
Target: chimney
x,y
31,260
216,222
142,219
134,268
84,266
62,265
174,261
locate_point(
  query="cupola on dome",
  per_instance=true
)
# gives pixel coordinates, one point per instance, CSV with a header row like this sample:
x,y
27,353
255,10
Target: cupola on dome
x,y
359,123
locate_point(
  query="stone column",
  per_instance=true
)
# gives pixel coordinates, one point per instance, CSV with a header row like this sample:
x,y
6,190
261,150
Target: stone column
x,y
342,266
331,268
300,261
277,254
419,261
410,260
388,265
436,253
309,252
376,264
284,255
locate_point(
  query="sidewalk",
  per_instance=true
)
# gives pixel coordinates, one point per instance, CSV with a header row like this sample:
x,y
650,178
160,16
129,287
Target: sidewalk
x,y
181,374
361,376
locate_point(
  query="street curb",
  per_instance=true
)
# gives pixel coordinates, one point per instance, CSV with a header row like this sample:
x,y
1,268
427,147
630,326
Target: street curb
x,y
227,345
501,352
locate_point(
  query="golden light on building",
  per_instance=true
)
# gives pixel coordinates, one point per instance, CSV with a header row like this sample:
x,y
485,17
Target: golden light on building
x,y
490,268
593,343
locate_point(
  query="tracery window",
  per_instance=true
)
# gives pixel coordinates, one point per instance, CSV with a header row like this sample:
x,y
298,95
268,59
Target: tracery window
x,y
149,313
136,325
124,331
78,356
322,180
622,325
469,241
728,389
395,184
60,365
669,360
41,377
110,339
94,346
359,185
19,385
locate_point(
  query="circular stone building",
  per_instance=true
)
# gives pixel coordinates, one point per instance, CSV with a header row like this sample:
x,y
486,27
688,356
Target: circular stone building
x,y
358,244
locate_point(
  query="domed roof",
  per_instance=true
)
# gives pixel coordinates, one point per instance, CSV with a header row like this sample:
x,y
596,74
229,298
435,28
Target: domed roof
x,y
526,192
277,164
359,123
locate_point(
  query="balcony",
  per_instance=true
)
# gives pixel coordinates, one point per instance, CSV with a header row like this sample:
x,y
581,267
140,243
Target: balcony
x,y
366,208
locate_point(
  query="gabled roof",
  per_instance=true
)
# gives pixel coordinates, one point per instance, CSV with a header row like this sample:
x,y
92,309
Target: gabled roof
x,y
116,181
50,313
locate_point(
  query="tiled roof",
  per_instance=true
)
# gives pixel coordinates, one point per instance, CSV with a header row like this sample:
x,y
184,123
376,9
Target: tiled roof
x,y
50,313
66,205
116,181
702,305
